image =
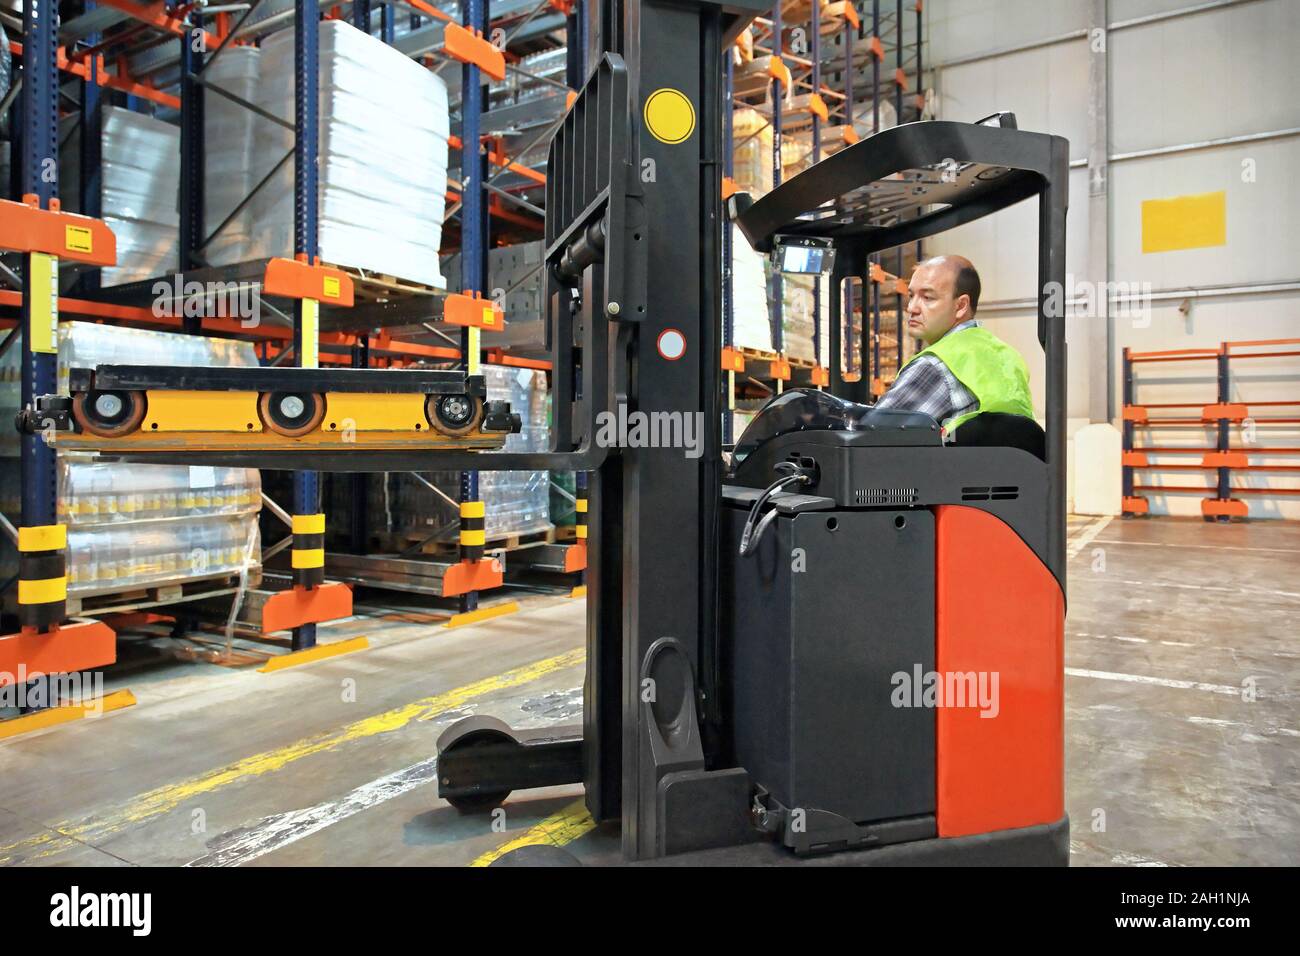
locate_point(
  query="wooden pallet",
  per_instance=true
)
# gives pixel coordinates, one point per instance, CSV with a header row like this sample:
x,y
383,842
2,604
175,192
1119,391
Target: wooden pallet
x,y
135,597
766,355
380,287
398,542
760,355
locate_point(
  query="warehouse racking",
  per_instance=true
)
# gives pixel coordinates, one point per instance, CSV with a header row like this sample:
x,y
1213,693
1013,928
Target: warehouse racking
x,y
797,75
511,70
1219,461
158,55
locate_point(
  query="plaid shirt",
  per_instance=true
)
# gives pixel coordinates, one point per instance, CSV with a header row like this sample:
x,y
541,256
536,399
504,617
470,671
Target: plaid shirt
x,y
926,385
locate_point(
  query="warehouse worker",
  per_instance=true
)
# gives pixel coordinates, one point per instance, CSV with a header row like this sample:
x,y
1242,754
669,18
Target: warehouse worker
x,y
964,369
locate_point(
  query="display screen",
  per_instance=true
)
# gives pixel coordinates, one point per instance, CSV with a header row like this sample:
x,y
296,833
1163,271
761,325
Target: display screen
x,y
805,259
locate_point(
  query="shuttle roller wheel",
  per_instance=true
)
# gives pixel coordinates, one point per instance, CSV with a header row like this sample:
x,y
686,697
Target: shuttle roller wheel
x,y
109,414
454,415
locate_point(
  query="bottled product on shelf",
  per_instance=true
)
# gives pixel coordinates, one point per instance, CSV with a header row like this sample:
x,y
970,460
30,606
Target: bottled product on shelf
x,y
132,525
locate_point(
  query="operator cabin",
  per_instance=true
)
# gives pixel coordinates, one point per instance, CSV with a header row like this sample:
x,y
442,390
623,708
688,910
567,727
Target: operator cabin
x,y
964,369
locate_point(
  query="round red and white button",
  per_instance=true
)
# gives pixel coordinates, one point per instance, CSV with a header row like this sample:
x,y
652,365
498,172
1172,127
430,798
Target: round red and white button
x,y
671,344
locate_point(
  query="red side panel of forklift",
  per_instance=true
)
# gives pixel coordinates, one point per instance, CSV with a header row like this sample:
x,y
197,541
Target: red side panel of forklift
x,y
999,615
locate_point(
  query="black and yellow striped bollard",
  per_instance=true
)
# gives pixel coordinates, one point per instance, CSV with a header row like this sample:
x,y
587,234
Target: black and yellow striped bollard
x,y
308,554
473,534
580,515
42,575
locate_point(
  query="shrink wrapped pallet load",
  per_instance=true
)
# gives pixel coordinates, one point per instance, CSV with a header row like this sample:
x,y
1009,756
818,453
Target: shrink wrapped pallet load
x,y
797,317
752,167
229,159
140,183
382,157
132,525
750,272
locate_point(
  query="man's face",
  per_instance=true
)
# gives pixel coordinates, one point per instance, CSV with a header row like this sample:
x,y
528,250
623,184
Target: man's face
x,y
931,307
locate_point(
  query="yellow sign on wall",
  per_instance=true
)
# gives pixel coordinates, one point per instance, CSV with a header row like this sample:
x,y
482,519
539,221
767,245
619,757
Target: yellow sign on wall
x,y
1185,222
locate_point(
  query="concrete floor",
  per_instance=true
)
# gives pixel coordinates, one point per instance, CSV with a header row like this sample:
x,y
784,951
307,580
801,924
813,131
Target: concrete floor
x,y
331,763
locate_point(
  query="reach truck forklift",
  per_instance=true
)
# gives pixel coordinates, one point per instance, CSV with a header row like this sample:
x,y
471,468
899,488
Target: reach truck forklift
x,y
737,710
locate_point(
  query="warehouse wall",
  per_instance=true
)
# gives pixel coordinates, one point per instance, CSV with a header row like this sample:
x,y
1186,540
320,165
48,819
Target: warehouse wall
x,y
1209,75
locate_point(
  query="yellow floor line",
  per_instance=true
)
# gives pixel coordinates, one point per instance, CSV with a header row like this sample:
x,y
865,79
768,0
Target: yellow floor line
x,y
318,653
557,830
53,716
482,614
148,805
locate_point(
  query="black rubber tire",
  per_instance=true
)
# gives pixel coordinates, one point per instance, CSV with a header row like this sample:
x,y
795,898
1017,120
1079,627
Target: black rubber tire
x,y
537,854
479,802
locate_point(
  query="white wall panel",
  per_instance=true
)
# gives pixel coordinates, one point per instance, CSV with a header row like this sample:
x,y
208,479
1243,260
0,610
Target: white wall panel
x,y
960,28
1047,89
1205,76
1263,244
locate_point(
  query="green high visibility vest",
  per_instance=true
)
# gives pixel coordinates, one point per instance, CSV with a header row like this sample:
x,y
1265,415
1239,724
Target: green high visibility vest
x,y
994,372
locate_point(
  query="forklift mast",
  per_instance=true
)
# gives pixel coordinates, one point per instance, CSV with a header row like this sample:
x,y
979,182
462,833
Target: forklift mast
x,y
652,610
681,691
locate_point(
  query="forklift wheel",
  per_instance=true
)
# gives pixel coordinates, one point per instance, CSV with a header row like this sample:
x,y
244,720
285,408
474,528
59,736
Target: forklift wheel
x,y
470,733
454,415
109,414
479,802
291,414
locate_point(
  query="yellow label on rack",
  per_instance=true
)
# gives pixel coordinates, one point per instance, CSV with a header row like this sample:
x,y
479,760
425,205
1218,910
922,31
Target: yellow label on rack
x,y
78,239
332,289
43,274
489,316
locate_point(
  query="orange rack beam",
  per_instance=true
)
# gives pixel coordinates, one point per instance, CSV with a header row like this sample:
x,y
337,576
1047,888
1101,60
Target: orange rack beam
x,y
26,227
103,78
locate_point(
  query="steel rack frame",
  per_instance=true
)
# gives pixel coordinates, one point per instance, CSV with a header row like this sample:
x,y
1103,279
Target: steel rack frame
x,y
1222,458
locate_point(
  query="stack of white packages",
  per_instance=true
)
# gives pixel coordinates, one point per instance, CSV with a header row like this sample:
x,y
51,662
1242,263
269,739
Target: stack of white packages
x,y
753,324
797,316
383,156
228,161
141,176
131,526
